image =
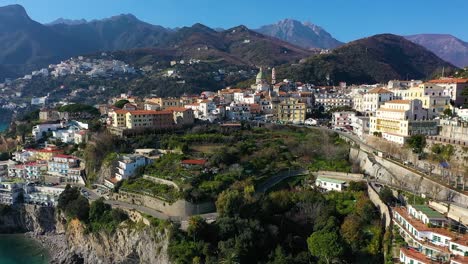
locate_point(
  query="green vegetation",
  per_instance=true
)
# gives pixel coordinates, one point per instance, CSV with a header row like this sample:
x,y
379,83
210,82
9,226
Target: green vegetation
x,y
442,152
252,155
103,217
148,187
417,143
73,204
79,108
301,226
120,104
97,217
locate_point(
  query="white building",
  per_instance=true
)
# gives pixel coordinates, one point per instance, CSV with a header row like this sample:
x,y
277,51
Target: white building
x,y
10,192
328,184
66,167
373,99
360,125
128,164
39,131
42,195
343,119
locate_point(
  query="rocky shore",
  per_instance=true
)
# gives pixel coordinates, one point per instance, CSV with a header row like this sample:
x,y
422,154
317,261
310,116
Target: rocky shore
x,y
69,242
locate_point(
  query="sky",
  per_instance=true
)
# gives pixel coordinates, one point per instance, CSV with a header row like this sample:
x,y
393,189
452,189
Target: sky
x,y
346,20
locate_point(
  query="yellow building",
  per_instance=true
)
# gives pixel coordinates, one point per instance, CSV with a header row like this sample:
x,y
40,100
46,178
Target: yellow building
x,y
140,119
166,102
434,98
397,120
291,110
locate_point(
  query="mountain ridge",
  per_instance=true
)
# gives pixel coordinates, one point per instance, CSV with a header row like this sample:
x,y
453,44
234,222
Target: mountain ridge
x,y
375,59
303,34
446,46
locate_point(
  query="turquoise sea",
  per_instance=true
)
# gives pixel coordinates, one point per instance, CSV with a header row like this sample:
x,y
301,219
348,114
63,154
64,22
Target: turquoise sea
x,y
3,126
19,249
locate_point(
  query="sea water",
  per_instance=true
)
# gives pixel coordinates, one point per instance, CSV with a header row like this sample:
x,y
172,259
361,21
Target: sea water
x,y
20,249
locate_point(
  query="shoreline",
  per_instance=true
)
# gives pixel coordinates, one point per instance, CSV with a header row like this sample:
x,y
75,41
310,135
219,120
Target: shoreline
x,y
54,244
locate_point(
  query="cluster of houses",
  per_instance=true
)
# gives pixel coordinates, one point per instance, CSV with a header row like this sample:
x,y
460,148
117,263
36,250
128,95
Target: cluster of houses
x,y
90,67
284,102
402,108
47,164
428,237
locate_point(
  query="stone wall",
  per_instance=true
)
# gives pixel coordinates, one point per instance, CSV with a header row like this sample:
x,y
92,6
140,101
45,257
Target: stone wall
x,y
389,173
161,181
179,209
383,208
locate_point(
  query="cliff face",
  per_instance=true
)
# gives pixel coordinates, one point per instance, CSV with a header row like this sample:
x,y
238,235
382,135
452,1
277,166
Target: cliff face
x,y
126,245
70,243
28,218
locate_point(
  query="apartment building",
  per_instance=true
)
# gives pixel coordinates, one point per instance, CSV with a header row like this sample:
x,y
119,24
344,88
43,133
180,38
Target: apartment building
x,y
182,116
373,99
166,102
142,119
397,120
454,87
433,97
429,244
291,111
343,119
66,167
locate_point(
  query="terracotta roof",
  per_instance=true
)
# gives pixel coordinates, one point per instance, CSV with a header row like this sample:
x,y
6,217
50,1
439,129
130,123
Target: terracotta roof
x,y
459,259
412,253
379,91
193,162
449,80
461,239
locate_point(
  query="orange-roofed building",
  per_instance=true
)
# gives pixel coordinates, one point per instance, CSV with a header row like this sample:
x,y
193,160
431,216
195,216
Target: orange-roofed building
x,y
454,87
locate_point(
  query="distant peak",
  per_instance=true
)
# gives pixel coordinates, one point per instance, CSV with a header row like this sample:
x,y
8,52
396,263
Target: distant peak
x,y
240,28
14,11
122,17
68,21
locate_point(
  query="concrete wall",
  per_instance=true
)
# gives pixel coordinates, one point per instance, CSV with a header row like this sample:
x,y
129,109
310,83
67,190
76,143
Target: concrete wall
x,y
454,212
178,209
389,173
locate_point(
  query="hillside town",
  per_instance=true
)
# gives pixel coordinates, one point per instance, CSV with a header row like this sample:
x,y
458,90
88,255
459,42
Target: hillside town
x,y
386,118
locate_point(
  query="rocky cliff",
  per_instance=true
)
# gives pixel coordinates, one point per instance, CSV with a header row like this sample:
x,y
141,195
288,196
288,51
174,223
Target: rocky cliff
x,y
126,245
69,242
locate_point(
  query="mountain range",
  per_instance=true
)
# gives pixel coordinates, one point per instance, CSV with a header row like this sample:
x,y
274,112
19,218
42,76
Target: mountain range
x,y
27,45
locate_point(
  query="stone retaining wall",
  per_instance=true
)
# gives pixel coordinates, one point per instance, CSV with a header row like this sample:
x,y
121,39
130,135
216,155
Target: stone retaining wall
x,y
178,209
387,172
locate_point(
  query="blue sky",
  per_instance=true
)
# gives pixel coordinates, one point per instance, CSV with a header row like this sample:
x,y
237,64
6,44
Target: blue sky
x,y
345,19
